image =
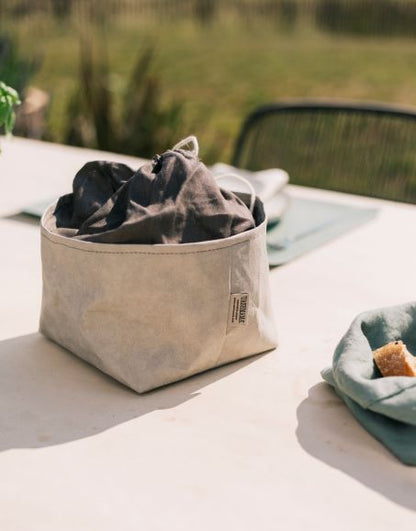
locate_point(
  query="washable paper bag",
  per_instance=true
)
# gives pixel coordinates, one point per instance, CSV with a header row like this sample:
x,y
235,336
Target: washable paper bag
x,y
149,314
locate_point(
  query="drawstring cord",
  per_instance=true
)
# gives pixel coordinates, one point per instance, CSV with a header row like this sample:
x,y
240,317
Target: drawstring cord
x,y
195,151
243,180
188,140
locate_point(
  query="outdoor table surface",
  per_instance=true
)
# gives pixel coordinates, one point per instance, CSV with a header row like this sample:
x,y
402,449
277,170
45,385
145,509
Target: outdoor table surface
x,y
260,444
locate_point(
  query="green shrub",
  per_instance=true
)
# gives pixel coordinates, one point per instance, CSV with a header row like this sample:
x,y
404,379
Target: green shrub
x,y
140,126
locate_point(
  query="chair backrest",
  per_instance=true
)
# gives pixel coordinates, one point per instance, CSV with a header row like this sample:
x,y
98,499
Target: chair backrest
x,y
367,149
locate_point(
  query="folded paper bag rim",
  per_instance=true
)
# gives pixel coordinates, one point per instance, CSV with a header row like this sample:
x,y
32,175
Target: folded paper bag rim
x,y
48,230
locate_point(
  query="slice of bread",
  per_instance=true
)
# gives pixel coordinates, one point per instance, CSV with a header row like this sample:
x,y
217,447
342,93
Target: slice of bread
x,y
394,359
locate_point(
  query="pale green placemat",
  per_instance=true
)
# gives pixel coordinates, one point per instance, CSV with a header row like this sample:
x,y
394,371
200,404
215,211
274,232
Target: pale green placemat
x,y
307,224
36,210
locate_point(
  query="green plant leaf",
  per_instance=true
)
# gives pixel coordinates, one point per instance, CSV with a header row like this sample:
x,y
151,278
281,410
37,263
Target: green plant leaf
x,y
3,112
9,98
9,122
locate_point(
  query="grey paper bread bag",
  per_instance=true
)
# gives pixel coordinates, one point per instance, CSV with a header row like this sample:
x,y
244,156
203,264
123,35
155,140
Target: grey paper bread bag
x,y
385,406
149,314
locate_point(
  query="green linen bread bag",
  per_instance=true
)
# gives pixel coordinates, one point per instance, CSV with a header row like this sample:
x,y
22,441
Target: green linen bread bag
x,y
385,406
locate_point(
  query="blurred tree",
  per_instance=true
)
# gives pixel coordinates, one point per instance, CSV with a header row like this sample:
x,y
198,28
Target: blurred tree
x,y
14,69
366,17
61,8
205,10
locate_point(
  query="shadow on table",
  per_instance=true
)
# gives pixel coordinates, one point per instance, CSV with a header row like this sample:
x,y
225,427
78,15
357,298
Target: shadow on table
x,y
48,396
327,431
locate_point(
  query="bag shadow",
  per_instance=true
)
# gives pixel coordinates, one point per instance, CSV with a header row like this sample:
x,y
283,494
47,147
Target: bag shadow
x,y
49,396
327,430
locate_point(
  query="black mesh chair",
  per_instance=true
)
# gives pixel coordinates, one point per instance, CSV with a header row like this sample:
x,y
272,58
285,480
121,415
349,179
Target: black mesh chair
x,y
367,149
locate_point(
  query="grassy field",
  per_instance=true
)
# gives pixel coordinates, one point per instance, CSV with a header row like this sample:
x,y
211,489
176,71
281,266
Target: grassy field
x,y
222,70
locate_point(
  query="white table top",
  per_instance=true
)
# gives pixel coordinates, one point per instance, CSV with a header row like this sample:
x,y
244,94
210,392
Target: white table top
x,y
260,444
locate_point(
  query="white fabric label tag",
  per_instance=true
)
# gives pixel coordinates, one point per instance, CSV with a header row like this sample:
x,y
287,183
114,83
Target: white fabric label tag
x,y
238,311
